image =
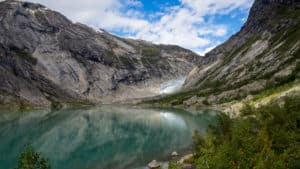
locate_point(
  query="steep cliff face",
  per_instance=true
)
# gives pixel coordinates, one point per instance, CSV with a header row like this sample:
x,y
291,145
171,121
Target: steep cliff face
x,y
46,59
265,53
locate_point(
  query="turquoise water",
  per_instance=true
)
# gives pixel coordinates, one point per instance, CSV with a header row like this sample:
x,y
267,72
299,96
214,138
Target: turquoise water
x,y
100,137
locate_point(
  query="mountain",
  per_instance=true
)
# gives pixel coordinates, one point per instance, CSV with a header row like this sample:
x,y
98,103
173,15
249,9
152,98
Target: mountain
x,y
263,55
46,60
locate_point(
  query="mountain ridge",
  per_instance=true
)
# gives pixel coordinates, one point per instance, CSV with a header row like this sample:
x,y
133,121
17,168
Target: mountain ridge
x,y
46,59
263,54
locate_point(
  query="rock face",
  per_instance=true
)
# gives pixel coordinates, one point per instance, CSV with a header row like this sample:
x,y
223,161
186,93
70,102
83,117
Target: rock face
x,y
46,59
265,53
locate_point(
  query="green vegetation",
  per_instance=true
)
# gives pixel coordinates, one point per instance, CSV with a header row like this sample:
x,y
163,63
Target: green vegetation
x,y
149,51
266,137
150,60
286,79
216,87
29,159
128,62
56,105
13,103
284,12
241,50
287,27
275,90
290,36
150,56
24,106
174,165
109,57
21,53
174,99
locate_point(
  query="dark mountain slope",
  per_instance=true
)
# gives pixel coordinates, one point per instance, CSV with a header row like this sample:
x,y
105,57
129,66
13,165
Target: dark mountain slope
x,y
46,59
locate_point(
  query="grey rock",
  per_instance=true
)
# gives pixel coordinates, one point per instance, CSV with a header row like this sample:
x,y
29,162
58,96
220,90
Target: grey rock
x,y
191,101
174,154
45,59
153,164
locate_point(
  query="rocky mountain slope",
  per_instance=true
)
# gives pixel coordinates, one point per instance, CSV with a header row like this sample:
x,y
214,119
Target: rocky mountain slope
x,y
45,59
264,54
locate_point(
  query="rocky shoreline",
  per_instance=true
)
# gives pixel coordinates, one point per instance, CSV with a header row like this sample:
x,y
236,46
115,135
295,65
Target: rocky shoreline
x,y
182,158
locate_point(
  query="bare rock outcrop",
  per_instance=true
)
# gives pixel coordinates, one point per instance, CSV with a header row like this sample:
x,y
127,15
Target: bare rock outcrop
x,y
47,59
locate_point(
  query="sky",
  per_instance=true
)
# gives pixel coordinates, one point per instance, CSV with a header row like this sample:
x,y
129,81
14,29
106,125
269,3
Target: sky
x,y
198,25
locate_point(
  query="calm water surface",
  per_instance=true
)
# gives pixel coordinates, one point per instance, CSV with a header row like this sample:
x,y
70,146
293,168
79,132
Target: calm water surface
x,y
100,137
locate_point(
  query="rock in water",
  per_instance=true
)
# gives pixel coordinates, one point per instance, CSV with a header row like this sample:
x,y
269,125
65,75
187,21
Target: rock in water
x,y
153,164
174,154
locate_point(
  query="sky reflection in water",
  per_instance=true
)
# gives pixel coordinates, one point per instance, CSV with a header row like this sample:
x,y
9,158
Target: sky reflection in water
x,y
100,137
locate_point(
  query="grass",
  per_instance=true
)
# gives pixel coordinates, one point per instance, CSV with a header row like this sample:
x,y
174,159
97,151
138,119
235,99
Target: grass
x,y
149,51
109,57
151,61
243,49
291,37
174,99
128,62
275,90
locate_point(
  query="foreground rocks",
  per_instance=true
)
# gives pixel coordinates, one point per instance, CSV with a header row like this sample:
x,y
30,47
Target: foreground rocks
x,y
185,161
154,165
174,154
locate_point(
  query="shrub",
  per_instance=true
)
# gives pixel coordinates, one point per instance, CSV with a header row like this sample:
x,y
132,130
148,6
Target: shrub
x,y
149,51
32,160
173,165
269,139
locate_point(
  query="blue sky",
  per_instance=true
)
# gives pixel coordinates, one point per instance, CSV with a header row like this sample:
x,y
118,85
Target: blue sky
x,y
199,25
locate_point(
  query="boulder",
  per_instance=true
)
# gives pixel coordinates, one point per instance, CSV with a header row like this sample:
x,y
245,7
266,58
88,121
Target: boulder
x,y
174,154
186,157
153,164
191,101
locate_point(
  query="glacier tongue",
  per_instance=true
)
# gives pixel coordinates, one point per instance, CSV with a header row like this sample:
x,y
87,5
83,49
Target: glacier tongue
x,y
172,86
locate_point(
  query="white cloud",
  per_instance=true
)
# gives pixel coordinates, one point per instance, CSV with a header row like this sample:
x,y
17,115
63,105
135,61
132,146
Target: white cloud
x,y
183,25
217,31
176,27
106,14
134,3
210,7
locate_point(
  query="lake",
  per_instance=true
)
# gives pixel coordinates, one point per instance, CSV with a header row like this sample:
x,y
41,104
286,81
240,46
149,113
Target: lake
x,y
112,136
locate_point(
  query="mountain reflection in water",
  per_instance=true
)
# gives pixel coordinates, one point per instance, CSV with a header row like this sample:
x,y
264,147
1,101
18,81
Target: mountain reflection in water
x,y
110,136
